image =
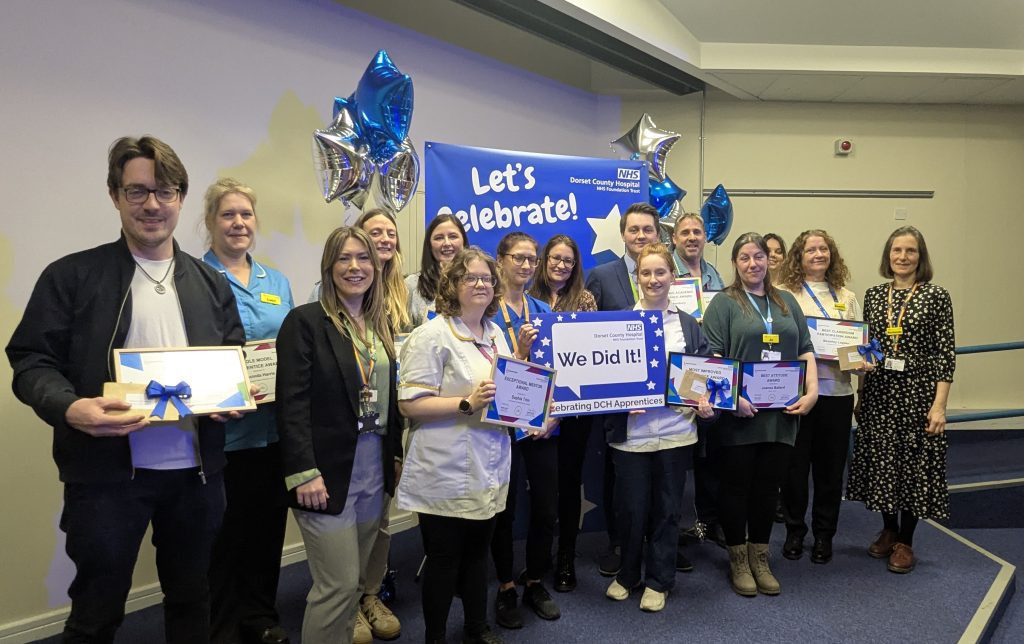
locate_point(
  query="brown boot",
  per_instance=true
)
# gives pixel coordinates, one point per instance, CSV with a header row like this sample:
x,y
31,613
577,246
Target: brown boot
x,y
902,559
739,572
766,582
882,546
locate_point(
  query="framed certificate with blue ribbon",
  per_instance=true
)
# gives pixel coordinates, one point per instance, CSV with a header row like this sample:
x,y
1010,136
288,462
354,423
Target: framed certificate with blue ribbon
x,y
522,396
773,385
829,335
607,361
692,377
167,384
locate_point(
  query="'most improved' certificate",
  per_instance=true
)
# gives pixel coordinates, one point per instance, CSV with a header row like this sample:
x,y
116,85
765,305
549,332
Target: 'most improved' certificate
x,y
521,397
829,336
692,377
773,385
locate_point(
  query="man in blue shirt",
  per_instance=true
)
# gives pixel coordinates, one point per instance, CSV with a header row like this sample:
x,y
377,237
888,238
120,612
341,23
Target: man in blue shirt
x,y
689,238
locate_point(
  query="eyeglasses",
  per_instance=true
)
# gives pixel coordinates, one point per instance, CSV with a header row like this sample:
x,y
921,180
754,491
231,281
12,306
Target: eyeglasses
x,y
140,194
554,260
471,280
529,260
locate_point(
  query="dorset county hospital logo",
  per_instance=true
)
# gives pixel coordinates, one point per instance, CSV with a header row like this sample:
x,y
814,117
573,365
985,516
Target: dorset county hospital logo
x,y
628,174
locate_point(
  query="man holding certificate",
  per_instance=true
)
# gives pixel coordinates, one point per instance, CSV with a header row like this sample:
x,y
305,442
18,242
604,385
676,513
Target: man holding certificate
x,y
757,323
120,474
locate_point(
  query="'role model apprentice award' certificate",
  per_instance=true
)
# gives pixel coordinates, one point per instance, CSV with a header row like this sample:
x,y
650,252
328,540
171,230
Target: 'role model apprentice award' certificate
x,y
261,363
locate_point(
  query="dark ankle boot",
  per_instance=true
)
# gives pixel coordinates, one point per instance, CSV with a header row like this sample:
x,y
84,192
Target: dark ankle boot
x,y
565,572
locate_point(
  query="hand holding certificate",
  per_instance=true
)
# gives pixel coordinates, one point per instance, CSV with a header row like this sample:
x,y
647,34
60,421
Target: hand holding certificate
x,y
829,336
522,395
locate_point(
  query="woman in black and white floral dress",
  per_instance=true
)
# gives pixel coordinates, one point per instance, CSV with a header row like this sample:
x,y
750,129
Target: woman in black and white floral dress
x,y
899,458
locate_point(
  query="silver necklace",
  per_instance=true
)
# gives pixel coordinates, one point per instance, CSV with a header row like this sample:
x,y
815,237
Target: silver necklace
x,y
158,286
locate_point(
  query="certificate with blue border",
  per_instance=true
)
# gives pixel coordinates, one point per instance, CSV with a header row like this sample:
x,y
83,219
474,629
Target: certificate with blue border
x,y
829,336
607,361
773,385
724,371
217,377
522,395
684,292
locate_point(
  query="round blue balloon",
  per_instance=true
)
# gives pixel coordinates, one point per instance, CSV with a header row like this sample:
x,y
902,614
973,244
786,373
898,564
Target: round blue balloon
x,y
717,214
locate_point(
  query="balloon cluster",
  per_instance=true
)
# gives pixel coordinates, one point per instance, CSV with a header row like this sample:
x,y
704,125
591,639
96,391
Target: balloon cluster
x,y
645,141
369,137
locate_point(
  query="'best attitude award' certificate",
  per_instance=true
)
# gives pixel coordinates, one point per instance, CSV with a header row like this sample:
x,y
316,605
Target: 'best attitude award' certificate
x,y
773,385
829,336
521,397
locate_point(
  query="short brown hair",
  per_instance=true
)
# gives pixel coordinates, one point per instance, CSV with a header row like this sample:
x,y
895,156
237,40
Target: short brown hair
x,y
689,215
447,301
169,170
217,191
924,271
640,208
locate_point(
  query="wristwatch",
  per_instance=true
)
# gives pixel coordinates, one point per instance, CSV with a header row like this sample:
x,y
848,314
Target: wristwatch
x,y
465,407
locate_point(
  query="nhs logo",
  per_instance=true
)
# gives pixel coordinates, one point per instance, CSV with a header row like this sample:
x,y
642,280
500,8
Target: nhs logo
x,y
628,174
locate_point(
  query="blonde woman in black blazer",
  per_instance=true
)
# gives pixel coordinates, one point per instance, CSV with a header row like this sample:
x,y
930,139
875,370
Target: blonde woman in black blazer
x,y
340,427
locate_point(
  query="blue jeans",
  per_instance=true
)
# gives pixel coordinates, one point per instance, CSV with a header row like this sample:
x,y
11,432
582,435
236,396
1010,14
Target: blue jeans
x,y
105,524
648,505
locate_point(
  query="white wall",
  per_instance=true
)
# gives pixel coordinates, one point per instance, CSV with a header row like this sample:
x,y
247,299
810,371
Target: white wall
x,y
236,87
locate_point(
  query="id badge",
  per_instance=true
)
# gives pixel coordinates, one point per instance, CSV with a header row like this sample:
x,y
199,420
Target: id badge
x,y
371,397
771,356
894,330
895,364
770,338
369,422
839,306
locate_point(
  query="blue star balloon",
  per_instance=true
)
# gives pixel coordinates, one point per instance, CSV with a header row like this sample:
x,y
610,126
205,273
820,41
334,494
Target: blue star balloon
x,y
664,195
717,214
383,102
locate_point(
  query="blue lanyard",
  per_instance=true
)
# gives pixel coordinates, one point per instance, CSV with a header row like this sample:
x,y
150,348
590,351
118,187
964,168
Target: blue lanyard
x,y
510,328
767,320
815,298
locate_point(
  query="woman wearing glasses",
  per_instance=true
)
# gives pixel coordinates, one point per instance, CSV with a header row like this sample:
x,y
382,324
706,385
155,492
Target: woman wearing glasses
x,y
246,561
537,454
457,468
560,284
444,238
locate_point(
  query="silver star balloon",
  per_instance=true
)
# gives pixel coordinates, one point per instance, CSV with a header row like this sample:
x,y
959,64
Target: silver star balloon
x,y
343,162
646,141
397,177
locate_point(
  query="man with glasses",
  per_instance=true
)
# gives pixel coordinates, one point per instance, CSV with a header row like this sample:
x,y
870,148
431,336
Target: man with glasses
x,y
615,288
120,473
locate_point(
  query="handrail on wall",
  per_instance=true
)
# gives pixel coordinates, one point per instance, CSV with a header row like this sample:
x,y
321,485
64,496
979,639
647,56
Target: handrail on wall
x,y
985,348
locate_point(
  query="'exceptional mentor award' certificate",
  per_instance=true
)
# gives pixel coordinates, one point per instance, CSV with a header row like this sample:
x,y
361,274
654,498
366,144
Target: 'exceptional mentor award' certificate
x,y
261,363
828,336
692,377
521,397
773,385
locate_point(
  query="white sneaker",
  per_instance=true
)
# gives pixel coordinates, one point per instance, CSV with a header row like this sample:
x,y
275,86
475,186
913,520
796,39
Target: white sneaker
x,y
361,634
652,601
617,591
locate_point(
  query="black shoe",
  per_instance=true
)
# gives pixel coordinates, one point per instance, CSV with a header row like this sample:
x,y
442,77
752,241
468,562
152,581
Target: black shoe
x,y
715,534
794,546
780,516
486,636
565,572
821,553
506,612
682,563
536,597
694,534
272,635
610,562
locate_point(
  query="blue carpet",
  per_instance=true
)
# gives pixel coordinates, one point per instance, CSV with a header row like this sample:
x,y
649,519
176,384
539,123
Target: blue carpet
x,y
852,599
985,455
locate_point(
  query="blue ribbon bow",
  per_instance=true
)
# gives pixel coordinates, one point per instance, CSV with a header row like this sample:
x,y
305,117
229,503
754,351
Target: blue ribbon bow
x,y
718,388
871,352
175,394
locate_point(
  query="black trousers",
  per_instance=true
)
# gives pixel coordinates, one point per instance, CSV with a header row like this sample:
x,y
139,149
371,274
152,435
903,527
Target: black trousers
x,y
456,552
705,478
751,475
573,439
539,460
246,562
105,524
821,448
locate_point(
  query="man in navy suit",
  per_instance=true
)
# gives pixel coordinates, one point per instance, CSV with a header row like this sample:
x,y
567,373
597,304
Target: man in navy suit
x,y
615,289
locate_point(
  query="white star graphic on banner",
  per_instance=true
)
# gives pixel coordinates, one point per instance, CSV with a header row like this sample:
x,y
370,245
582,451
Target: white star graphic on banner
x,y
539,354
654,363
536,321
657,332
559,318
573,316
650,386
607,232
547,364
545,341
654,319
656,348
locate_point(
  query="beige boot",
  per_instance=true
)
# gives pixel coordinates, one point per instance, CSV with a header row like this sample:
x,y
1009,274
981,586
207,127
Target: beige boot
x,y
739,572
765,580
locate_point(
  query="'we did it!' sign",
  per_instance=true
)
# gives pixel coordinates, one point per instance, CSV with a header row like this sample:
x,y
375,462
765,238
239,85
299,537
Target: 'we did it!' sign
x,y
606,361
